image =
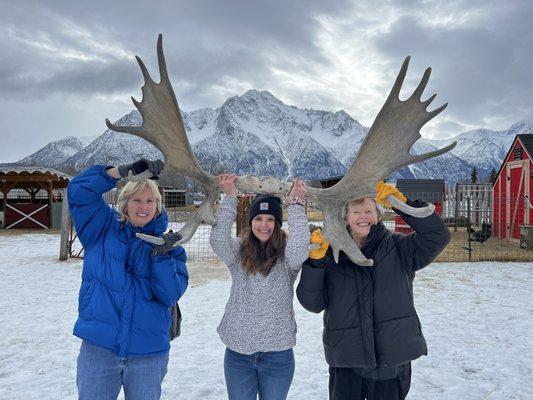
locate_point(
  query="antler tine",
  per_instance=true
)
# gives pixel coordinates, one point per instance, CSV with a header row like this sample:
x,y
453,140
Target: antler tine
x,y
398,83
146,75
427,156
163,73
434,113
417,94
431,98
134,130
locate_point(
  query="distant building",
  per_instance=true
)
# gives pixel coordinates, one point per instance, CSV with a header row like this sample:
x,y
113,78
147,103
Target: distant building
x,y
512,190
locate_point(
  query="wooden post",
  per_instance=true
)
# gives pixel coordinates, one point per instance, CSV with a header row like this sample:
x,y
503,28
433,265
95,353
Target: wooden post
x,y
6,188
65,225
243,204
4,205
50,201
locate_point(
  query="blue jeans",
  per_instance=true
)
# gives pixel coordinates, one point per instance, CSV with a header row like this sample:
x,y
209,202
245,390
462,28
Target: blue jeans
x,y
101,374
269,374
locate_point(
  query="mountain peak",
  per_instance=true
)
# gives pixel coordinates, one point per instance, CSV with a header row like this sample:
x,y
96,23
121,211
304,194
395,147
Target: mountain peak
x,y
259,95
54,153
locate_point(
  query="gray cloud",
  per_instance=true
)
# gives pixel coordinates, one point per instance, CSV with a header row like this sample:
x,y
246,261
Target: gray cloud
x,y
480,67
205,41
83,51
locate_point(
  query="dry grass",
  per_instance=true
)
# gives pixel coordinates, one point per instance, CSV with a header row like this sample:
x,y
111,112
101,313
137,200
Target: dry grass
x,y
494,249
15,232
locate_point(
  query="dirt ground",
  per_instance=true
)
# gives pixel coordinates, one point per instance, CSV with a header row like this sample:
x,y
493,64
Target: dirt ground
x,y
201,272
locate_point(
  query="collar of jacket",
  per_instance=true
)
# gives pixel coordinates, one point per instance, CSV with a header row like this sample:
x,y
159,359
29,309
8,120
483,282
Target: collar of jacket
x,y
377,233
374,238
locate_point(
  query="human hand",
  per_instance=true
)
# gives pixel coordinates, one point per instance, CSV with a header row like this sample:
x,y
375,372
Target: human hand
x,y
140,166
170,239
226,182
384,190
318,245
297,193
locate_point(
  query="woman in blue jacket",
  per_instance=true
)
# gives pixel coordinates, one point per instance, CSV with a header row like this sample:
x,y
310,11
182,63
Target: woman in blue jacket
x,y
127,284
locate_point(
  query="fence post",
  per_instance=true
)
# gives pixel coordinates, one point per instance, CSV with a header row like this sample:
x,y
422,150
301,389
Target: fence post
x,y
456,207
65,223
469,226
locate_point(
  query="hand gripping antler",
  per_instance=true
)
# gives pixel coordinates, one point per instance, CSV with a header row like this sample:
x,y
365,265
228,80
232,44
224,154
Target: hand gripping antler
x,y
377,158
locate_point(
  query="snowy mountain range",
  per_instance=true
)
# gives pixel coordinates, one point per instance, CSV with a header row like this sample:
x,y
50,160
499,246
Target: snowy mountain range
x,y
258,134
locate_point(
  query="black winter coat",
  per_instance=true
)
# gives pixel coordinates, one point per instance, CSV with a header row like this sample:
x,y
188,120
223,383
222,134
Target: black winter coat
x,y
369,315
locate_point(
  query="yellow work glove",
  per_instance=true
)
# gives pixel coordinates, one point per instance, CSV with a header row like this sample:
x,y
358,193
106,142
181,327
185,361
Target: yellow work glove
x,y
319,245
384,190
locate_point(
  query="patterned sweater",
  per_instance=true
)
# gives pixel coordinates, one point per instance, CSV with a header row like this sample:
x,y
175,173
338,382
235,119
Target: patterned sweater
x,y
259,315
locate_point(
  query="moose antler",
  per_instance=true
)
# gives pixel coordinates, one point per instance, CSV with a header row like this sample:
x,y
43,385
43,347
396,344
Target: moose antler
x,y
384,150
377,158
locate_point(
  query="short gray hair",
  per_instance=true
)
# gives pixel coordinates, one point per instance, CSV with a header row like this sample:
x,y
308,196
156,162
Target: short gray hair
x,y
131,189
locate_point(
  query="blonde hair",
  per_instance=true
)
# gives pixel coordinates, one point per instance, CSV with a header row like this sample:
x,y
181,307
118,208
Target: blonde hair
x,y
130,189
358,201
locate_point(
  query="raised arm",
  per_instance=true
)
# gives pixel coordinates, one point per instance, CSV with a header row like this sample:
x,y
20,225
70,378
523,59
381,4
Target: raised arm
x,y
297,251
430,237
223,244
89,211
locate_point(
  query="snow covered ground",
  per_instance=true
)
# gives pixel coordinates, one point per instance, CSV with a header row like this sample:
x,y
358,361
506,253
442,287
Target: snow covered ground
x,y
477,319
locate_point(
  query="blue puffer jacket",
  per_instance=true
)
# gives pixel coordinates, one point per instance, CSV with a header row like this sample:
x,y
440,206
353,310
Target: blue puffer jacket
x,y
125,292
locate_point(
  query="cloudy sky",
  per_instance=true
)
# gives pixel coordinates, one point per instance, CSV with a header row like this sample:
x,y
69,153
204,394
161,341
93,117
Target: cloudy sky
x,y
67,65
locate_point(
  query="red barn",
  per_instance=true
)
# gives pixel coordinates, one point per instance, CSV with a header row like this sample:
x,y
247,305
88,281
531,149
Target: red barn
x,y
511,190
429,190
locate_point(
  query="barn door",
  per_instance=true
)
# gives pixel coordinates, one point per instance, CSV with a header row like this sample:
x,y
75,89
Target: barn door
x,y
518,172
27,216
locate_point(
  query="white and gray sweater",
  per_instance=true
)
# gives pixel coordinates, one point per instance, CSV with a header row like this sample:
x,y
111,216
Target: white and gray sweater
x,y
259,315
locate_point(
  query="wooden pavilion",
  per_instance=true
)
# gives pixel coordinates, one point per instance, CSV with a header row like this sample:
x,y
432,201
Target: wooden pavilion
x,y
22,205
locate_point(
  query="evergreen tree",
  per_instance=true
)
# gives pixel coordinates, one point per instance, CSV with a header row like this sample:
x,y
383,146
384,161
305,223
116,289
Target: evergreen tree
x,y
492,177
473,175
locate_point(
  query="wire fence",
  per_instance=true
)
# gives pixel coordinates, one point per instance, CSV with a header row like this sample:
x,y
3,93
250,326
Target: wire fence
x,y
484,226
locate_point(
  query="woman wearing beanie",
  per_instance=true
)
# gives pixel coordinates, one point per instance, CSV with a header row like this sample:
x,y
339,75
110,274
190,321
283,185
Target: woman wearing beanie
x,y
258,326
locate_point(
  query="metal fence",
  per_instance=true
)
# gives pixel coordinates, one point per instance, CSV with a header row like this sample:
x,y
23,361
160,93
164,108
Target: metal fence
x,y
483,227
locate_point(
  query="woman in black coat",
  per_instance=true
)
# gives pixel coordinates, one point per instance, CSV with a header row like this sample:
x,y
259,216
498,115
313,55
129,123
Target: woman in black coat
x,y
371,329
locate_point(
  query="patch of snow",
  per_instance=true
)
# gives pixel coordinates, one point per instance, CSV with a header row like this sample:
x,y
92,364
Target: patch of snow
x,y
477,320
